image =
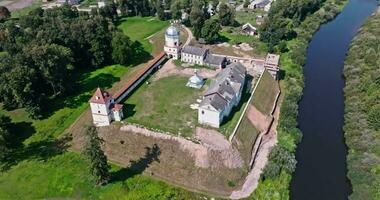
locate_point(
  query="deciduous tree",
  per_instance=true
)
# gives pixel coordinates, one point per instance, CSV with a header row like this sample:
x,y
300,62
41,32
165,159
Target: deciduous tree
x,y
210,30
121,48
226,15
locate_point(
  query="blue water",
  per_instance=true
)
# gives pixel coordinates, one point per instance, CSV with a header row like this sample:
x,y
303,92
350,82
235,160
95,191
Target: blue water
x,y
321,155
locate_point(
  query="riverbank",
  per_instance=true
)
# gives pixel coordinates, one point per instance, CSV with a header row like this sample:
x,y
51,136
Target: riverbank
x,y
292,84
362,112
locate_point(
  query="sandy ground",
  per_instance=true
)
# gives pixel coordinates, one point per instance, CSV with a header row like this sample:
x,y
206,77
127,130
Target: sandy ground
x,y
170,69
268,141
16,5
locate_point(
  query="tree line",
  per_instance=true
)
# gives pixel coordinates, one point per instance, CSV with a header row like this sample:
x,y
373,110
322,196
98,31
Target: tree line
x,y
43,49
362,111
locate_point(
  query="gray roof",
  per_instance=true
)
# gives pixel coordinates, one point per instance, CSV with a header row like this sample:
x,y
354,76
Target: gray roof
x,y
194,50
214,60
228,84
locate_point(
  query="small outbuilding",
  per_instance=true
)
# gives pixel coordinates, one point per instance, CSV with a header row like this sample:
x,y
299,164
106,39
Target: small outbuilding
x,y
195,81
248,29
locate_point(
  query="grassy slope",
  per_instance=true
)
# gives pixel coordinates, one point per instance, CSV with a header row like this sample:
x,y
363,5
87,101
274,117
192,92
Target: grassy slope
x,y
140,28
165,105
66,175
246,134
362,95
265,94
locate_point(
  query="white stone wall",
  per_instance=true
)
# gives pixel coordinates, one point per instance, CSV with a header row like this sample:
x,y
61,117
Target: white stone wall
x,y
101,120
209,117
102,109
193,59
118,115
174,52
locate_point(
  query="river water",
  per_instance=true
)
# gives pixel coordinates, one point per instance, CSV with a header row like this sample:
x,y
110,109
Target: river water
x,y
321,169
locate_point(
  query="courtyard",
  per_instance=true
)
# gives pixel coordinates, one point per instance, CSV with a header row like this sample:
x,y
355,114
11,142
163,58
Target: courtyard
x,y
164,105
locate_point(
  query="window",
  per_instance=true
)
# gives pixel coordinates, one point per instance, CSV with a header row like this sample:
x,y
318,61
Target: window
x,y
203,112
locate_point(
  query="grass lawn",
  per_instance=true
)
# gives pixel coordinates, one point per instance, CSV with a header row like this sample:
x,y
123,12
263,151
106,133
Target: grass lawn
x,y
165,105
246,134
67,176
140,28
265,94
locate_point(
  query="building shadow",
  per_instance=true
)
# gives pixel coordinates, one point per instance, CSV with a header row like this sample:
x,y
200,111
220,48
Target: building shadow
x,y
129,110
138,166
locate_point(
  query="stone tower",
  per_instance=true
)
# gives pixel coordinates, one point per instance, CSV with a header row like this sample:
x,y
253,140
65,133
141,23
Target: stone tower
x,y
172,46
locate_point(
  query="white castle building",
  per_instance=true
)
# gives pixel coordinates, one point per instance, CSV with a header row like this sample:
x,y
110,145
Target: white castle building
x,y
172,43
223,94
104,110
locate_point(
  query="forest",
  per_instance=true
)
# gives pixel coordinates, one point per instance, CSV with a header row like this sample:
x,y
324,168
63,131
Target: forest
x,y
362,111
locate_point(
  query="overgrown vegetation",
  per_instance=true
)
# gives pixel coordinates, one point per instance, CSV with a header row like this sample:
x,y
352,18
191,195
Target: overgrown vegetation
x,y
291,28
362,111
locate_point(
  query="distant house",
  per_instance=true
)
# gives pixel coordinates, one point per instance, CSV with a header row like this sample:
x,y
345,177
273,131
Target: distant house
x,y
104,109
260,4
223,94
272,64
248,29
70,2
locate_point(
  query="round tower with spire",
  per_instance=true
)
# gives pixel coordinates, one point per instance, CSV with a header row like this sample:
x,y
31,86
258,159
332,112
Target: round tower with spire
x,y
172,46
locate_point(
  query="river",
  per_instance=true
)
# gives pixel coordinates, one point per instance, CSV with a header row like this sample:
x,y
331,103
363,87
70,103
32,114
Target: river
x,y
321,155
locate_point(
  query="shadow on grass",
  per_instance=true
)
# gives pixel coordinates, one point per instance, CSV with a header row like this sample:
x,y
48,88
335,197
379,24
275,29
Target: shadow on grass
x,y
40,150
129,110
138,166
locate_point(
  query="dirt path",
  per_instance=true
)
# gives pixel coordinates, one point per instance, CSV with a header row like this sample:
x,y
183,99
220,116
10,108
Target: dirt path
x,y
252,180
16,5
190,36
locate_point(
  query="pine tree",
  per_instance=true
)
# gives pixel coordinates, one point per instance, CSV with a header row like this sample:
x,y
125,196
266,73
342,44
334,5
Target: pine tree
x,y
98,160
